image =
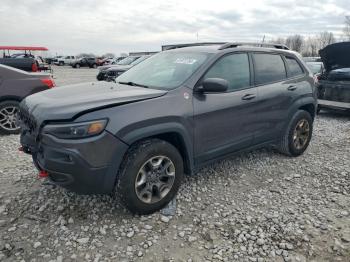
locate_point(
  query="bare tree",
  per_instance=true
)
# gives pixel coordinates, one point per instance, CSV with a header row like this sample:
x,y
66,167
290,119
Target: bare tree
x,y
86,55
111,55
325,38
347,27
310,47
295,42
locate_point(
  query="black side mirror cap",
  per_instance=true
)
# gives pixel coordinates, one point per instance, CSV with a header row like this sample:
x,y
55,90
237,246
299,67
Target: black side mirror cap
x,y
213,85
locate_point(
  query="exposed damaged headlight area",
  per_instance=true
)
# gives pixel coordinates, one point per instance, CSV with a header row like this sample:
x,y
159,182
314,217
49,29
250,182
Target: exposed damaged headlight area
x,y
76,130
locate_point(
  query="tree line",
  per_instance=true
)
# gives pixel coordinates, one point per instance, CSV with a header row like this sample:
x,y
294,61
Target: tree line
x,y
309,46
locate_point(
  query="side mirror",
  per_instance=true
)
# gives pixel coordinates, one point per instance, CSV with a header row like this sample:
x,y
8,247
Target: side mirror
x,y
213,85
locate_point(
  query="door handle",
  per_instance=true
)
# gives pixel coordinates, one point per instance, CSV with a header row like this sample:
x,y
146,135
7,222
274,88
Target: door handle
x,y
248,97
291,88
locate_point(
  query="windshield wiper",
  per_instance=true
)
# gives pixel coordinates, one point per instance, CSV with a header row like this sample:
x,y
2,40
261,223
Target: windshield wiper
x,y
132,84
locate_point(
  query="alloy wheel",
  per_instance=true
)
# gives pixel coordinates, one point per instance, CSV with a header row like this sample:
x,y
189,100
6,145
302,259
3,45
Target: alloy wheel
x,y
155,179
301,134
8,118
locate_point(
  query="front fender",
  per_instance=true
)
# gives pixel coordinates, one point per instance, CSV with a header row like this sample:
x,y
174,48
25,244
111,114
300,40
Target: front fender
x,y
136,134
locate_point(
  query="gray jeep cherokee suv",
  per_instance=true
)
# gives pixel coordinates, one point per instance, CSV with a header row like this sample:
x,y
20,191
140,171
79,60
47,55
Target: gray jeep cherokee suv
x,y
167,116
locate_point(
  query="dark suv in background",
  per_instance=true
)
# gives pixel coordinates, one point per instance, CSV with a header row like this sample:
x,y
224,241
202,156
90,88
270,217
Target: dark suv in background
x,y
169,115
333,83
85,62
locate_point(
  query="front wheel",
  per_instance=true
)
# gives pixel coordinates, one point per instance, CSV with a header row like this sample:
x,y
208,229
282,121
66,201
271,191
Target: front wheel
x,y
150,176
298,134
8,118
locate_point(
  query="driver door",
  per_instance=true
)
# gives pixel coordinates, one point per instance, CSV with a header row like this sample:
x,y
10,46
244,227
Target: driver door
x,y
224,122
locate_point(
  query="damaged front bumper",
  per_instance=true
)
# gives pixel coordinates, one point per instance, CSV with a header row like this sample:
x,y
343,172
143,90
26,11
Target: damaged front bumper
x,y
85,166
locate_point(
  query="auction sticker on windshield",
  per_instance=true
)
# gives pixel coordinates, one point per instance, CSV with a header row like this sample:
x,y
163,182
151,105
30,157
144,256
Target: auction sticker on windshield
x,y
187,61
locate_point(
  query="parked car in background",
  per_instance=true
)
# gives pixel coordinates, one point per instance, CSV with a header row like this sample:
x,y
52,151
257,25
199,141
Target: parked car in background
x,y
312,59
169,115
25,61
15,85
27,64
114,71
64,60
122,63
334,83
55,59
315,67
85,62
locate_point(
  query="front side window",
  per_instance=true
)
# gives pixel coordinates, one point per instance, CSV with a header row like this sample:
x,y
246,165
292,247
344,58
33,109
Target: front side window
x,y
294,67
234,68
268,68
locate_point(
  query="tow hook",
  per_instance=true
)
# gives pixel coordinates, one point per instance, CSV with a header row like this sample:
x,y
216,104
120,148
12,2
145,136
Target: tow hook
x,y
43,174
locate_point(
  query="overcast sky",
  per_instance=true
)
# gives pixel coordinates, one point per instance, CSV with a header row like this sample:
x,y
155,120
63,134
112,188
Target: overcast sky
x,y
100,26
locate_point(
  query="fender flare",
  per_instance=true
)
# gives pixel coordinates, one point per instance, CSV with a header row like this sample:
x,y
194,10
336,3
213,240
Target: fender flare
x,y
304,101
155,130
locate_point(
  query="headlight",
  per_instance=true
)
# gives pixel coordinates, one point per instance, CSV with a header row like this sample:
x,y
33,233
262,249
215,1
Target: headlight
x,y
76,130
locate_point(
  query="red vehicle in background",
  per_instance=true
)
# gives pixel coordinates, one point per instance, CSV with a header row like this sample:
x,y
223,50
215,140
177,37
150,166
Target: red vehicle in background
x,y
26,60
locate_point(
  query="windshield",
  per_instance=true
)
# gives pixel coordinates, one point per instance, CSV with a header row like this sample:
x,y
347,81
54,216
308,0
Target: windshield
x,y
128,60
165,70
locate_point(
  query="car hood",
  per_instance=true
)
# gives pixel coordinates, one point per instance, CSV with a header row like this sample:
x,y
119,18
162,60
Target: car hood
x,y
68,102
336,56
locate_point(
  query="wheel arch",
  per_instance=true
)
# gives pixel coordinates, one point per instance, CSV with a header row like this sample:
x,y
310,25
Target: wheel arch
x,y
173,133
10,98
310,108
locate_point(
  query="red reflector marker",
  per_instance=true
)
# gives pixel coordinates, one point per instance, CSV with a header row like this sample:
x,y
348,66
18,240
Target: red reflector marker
x,y
48,82
43,174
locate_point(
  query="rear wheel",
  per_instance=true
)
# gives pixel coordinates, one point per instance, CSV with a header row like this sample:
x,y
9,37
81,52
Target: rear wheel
x,y
150,176
8,118
298,134
77,66
61,63
94,66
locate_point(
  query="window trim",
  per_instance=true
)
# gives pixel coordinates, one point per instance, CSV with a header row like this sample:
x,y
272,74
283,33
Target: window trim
x,y
288,70
254,68
251,82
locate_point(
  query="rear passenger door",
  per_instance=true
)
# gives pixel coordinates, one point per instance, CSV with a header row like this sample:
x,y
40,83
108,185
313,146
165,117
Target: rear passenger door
x,y
225,122
275,95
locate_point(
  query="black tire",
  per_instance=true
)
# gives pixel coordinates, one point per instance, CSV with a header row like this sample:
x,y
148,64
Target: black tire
x,y
135,159
94,66
77,66
287,146
4,130
61,63
318,110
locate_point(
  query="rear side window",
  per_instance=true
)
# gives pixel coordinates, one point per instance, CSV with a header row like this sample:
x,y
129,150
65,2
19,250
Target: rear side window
x,y
294,67
268,68
233,68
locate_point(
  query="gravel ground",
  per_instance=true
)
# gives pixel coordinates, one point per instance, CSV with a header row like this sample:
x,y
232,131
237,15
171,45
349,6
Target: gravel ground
x,y
258,206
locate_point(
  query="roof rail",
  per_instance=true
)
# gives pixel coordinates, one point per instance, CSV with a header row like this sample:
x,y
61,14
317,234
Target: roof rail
x,y
234,44
169,47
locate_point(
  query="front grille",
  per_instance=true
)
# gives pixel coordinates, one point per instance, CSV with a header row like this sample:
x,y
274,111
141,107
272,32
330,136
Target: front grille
x,y
26,120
